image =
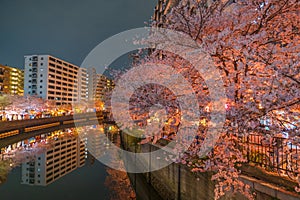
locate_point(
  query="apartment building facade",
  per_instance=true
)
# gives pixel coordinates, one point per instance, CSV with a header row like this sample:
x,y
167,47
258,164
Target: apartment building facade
x,y
161,9
83,80
52,78
66,155
98,85
104,86
11,80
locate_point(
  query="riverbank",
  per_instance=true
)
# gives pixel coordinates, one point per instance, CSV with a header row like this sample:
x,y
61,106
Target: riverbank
x,y
176,181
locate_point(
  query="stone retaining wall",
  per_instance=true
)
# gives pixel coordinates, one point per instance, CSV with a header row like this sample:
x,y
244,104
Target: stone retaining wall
x,y
177,182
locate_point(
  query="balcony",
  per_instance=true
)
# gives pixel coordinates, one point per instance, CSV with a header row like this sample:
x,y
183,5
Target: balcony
x,y
34,64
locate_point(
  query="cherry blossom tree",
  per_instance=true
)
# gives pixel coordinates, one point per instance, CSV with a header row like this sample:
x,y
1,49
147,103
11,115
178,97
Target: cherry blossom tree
x,y
255,45
20,104
4,101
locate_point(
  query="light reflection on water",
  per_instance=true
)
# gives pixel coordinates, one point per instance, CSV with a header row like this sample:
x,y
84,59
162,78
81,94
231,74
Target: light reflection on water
x,y
58,166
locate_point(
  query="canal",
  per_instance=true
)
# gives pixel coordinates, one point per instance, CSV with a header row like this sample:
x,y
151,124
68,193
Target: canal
x,y
63,165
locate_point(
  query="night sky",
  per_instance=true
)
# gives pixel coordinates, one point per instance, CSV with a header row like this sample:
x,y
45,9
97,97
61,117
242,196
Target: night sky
x,y
67,29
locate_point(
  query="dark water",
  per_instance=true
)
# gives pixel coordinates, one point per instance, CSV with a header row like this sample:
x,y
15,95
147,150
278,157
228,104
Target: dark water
x,y
86,182
90,179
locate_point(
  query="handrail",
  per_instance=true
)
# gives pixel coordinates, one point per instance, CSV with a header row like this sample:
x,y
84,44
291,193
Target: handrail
x,y
21,126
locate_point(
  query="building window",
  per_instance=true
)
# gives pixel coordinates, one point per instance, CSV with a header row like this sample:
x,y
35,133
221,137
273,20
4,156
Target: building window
x,y
41,92
41,81
42,58
41,86
41,74
41,63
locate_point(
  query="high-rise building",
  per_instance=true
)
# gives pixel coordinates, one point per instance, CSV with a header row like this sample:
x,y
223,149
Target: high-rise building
x,y
11,80
104,86
161,9
92,83
51,78
66,155
2,77
82,84
99,85
16,81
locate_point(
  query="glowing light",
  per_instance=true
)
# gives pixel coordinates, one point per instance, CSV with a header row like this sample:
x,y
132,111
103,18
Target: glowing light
x,y
226,106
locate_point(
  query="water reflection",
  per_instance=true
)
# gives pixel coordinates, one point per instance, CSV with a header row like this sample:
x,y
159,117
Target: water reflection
x,y
52,159
66,154
46,157
119,185
99,143
63,165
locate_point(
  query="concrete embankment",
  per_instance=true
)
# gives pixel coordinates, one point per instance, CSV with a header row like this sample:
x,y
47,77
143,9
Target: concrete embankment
x,y
176,181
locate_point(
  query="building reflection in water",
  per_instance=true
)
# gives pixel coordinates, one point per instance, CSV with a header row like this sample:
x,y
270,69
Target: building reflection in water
x,y
103,143
66,154
48,157
100,139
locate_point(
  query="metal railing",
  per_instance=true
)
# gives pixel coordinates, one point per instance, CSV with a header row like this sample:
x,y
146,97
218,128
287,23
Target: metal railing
x,y
275,154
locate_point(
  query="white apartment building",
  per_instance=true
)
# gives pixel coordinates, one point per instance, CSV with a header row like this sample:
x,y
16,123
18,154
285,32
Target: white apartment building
x,y
98,86
99,140
51,78
82,84
96,141
92,83
66,155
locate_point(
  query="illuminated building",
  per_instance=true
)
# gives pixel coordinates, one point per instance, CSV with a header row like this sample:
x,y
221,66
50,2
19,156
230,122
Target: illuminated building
x,y
96,141
2,79
99,86
104,86
53,79
11,80
82,84
161,9
66,155
92,83
100,139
